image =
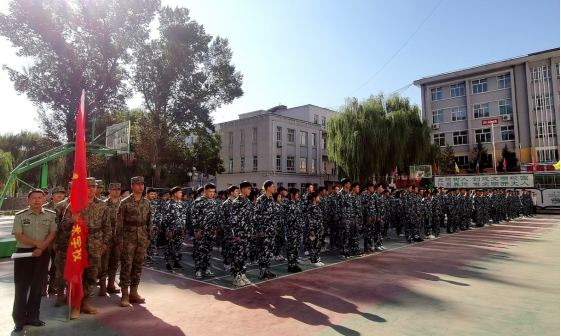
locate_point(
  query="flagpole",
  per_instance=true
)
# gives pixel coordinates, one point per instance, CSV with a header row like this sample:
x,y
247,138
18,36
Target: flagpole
x,y
69,300
494,156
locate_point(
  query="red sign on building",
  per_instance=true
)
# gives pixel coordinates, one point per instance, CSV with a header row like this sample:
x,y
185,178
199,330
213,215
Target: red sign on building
x,y
490,121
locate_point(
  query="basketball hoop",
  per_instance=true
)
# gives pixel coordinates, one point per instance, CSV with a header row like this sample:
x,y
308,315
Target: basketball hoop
x,y
128,159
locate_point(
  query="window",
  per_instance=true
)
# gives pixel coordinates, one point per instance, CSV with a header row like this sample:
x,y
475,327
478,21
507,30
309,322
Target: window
x,y
436,94
459,113
548,155
242,137
254,134
503,81
507,133
279,133
324,143
541,101
540,130
230,166
540,73
457,90
290,163
325,167
303,165
231,138
279,164
324,121
291,185
303,188
483,135
557,69
505,106
333,171
478,86
316,119
440,139
242,165
437,116
314,140
303,138
290,135
460,138
255,163
462,160
313,166
481,110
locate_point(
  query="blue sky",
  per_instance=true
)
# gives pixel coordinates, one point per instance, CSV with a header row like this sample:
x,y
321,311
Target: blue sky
x,y
320,52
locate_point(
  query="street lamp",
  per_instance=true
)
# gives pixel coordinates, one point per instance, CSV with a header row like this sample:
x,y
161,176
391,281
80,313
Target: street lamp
x,y
190,180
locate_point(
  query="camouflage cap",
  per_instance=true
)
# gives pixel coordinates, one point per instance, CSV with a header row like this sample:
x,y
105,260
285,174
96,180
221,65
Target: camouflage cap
x,y
92,182
58,189
99,183
113,186
137,179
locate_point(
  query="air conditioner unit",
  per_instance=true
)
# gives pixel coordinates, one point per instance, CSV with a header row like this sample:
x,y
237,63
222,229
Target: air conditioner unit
x,y
507,117
435,126
279,144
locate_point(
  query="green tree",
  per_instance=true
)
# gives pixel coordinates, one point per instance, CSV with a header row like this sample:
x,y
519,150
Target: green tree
x,y
511,160
479,154
183,76
447,160
6,167
376,135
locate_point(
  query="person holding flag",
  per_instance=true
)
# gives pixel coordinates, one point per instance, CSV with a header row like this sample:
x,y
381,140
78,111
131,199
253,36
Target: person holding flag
x,y
98,227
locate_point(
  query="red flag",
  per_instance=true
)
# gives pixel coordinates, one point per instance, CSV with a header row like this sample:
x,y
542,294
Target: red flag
x,y
79,192
504,164
76,261
395,171
435,169
533,163
76,257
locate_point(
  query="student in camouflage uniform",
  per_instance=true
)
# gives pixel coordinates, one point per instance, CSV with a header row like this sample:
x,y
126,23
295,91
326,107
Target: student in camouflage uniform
x,y
398,213
314,228
266,229
370,217
322,192
174,217
451,207
437,213
57,195
99,190
429,213
334,219
294,226
241,226
134,233
346,216
280,238
356,215
152,197
162,236
112,256
224,219
479,208
204,219
60,246
99,235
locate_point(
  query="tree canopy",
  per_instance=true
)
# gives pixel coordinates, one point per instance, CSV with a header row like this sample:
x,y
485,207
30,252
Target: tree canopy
x,y
376,135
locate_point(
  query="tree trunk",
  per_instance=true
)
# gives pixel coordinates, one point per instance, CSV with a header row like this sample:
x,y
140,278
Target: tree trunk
x,y
157,174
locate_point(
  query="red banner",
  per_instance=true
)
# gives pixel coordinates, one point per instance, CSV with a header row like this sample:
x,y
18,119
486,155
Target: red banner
x,y
76,262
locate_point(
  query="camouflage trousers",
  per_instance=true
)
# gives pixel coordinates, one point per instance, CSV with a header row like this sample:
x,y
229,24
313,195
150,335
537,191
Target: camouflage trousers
x,y
239,254
151,250
314,247
89,279
265,248
173,248
355,232
132,262
294,239
60,264
279,243
220,237
110,261
202,248
409,227
227,249
378,232
334,233
253,250
369,235
436,225
344,239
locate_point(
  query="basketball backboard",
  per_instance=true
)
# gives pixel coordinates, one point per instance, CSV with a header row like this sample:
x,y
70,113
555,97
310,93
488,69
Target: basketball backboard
x,y
117,137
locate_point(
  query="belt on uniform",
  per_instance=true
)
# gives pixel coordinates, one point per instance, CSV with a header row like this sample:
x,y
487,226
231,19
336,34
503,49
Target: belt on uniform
x,y
132,223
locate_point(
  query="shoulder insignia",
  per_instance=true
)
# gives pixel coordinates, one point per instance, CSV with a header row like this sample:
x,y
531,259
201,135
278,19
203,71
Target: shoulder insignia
x,y
22,211
49,211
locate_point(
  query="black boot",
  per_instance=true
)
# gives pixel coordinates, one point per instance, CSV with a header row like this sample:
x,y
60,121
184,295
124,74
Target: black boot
x,y
177,265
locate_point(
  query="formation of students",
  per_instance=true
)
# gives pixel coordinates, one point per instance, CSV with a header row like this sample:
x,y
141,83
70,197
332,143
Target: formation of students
x,y
253,227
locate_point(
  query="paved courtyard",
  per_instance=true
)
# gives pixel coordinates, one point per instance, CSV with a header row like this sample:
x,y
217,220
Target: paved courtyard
x,y
499,280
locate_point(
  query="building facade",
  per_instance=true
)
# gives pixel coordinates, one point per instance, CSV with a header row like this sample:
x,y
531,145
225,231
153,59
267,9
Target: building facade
x,y
522,93
286,146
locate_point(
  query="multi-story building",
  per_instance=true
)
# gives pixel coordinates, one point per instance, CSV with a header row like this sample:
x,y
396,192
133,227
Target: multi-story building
x,y
522,93
286,146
